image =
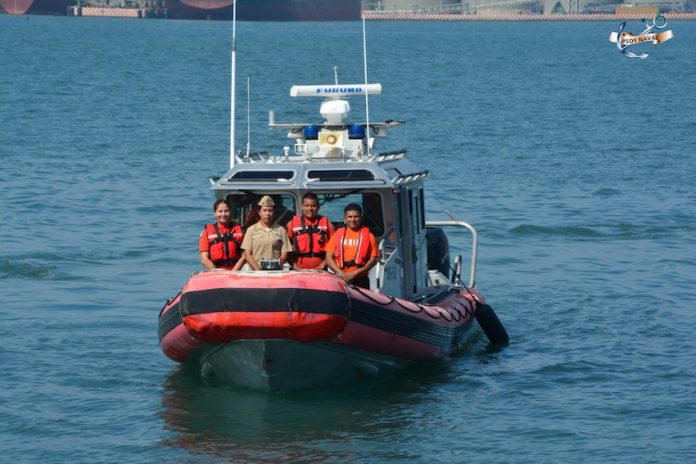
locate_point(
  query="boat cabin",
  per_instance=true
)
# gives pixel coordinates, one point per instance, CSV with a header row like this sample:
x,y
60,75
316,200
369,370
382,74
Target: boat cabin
x,y
335,160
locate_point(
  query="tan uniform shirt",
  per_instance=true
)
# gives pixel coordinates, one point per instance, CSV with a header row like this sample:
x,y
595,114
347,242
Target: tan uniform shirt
x,y
266,243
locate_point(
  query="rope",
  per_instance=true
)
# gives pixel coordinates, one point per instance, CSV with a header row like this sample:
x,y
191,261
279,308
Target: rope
x,y
168,302
423,308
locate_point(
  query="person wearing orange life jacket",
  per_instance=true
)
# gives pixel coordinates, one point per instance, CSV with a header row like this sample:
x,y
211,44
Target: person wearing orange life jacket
x,y
352,250
219,244
309,234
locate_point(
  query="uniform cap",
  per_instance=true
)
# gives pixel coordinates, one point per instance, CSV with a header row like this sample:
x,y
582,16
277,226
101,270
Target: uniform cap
x,y
266,201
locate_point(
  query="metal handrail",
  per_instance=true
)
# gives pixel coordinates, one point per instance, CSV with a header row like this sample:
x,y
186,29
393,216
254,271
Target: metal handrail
x,y
378,267
457,270
474,242
381,265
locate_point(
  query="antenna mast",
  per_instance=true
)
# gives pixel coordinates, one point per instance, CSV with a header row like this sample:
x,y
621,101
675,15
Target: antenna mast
x,y
367,100
248,146
233,83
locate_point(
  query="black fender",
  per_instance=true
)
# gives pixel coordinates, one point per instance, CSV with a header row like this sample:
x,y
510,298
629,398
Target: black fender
x,y
491,325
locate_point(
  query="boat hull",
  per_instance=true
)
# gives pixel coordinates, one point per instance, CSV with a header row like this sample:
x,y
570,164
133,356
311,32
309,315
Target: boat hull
x,y
285,365
289,330
401,328
45,7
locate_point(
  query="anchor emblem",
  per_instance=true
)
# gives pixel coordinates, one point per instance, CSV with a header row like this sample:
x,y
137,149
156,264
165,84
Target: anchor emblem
x,y
624,40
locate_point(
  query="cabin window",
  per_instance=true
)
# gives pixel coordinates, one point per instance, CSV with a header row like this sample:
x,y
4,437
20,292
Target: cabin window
x,y
398,214
332,205
244,207
410,203
262,176
422,210
341,175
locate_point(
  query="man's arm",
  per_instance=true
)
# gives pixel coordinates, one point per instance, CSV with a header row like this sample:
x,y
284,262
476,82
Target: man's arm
x,y
331,262
361,271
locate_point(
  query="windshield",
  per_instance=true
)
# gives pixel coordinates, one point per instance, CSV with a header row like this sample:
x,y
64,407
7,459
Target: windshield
x,y
244,209
332,205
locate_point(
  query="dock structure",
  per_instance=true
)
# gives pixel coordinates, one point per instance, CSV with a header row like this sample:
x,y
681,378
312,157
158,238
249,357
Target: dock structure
x,y
119,9
109,12
525,10
515,16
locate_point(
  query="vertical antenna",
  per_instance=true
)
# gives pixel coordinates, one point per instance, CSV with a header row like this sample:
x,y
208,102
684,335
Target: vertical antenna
x,y
248,147
336,74
367,101
234,78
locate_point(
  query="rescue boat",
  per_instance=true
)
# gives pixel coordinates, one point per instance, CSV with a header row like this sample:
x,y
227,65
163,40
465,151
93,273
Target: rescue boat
x,y
287,329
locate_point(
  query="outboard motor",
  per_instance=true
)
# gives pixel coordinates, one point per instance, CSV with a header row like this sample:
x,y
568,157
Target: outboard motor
x,y
438,250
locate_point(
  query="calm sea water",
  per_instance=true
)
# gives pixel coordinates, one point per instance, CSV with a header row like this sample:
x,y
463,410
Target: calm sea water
x,y
575,164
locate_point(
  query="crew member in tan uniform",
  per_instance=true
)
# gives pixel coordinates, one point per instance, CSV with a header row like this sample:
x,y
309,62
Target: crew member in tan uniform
x,y
264,240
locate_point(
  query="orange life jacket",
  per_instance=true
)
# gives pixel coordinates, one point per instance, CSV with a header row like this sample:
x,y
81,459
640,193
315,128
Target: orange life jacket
x,y
309,241
363,248
224,249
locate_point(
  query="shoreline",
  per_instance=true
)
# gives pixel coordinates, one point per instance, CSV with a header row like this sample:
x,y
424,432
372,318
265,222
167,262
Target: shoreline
x,y
396,16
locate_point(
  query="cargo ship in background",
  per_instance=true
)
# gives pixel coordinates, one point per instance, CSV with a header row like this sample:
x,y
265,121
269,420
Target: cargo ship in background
x,y
248,10
266,10
39,7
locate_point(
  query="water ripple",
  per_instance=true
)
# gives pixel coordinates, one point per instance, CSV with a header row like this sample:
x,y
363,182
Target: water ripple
x,y
606,192
569,231
10,269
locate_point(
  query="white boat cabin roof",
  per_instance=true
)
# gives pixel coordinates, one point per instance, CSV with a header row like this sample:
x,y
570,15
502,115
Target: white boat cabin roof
x,y
333,154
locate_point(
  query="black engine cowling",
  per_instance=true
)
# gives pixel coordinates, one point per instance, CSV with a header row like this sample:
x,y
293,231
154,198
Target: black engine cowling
x,y
438,250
